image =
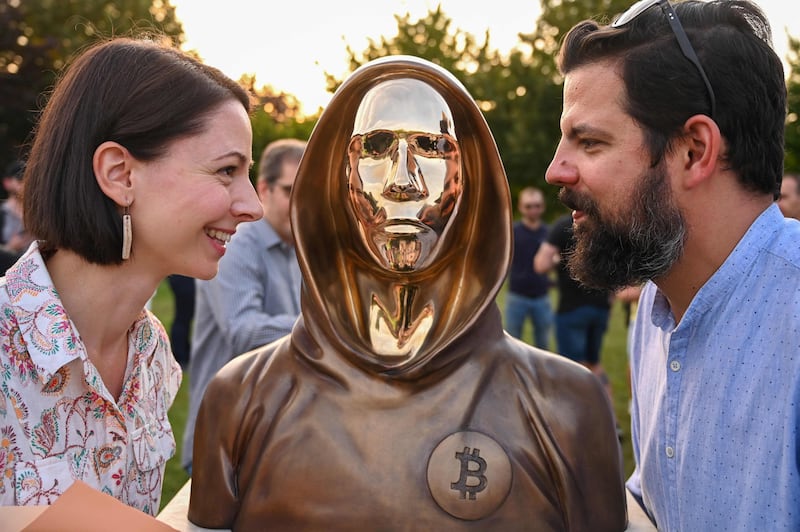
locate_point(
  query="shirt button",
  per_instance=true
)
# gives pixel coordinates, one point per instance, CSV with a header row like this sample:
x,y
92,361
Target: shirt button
x,y
675,365
670,451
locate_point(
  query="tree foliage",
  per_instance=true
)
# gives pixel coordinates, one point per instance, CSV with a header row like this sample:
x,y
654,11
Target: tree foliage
x,y
275,115
431,37
40,36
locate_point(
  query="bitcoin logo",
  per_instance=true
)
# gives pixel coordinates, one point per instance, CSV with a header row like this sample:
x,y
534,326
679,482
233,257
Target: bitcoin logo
x,y
469,475
472,489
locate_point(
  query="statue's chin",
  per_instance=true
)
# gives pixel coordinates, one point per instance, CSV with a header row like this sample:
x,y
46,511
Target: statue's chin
x,y
402,252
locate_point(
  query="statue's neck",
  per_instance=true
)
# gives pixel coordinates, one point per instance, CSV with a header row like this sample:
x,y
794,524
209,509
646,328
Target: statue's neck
x,y
398,328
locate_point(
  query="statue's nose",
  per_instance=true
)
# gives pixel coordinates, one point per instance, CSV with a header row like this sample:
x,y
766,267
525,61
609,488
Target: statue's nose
x,y
405,181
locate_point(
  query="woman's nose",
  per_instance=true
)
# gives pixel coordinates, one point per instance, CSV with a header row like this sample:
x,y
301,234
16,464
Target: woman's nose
x,y
246,205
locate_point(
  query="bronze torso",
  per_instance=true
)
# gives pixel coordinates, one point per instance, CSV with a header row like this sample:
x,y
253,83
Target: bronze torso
x,y
316,447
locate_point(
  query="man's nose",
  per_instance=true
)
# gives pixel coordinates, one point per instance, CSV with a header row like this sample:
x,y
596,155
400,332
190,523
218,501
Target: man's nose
x,y
405,181
561,172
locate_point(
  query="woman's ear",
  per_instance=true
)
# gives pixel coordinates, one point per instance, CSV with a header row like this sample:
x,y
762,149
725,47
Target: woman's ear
x,y
112,165
702,145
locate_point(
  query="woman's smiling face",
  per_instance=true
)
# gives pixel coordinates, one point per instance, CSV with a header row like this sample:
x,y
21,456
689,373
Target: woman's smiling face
x,y
188,202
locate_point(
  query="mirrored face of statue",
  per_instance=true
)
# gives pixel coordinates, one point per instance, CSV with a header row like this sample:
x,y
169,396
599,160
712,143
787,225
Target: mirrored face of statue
x,y
404,172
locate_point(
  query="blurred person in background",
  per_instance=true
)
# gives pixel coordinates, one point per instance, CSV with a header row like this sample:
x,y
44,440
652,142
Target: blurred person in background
x,y
12,235
183,294
789,199
528,291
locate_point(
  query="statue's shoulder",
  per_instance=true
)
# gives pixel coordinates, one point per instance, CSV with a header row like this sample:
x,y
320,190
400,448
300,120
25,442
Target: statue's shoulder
x,y
553,373
251,365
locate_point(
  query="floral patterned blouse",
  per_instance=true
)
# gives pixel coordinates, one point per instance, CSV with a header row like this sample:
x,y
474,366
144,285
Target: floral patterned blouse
x,y
58,422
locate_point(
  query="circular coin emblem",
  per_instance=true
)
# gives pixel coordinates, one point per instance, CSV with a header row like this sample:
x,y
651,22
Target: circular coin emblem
x,y
469,475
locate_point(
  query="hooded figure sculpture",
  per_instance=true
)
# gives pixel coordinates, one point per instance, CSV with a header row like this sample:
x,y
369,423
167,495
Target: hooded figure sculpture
x,y
398,402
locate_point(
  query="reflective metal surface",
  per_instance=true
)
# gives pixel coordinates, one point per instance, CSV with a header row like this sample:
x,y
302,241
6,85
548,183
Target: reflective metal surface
x,y
404,172
404,181
469,475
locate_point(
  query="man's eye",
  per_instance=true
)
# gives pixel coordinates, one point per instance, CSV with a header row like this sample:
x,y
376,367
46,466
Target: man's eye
x,y
378,144
589,143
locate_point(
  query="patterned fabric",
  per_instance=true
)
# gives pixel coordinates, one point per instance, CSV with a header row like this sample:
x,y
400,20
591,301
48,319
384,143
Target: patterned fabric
x,y
58,422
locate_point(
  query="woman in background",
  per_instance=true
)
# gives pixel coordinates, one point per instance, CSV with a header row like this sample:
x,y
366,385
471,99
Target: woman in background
x,y
138,170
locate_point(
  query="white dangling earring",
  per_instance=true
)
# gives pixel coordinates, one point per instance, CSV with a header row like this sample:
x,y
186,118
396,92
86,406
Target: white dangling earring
x,y
127,234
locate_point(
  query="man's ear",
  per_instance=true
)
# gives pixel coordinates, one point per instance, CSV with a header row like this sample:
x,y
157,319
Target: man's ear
x,y
701,145
112,165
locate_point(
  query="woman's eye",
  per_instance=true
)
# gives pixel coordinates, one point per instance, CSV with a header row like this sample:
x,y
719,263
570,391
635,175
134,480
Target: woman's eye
x,y
228,170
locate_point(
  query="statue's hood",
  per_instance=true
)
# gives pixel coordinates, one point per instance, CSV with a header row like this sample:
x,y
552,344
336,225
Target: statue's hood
x,y
340,277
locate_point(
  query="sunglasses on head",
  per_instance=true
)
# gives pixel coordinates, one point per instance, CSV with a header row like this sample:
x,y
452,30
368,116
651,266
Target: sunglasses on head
x,y
680,34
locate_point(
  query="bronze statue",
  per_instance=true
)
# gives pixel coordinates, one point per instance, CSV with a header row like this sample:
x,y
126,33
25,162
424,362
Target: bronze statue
x,y
398,402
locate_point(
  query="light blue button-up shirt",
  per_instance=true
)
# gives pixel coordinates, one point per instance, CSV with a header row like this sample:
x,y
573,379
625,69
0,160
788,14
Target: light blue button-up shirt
x,y
716,399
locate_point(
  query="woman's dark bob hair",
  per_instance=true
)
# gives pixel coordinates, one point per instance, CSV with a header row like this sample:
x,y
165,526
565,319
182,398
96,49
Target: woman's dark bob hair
x,y
140,93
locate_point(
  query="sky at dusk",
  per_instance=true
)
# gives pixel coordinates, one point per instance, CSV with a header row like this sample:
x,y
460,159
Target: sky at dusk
x,y
290,45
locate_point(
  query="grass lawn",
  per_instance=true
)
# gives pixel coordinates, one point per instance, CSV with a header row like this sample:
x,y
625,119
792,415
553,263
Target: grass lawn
x,y
174,477
614,358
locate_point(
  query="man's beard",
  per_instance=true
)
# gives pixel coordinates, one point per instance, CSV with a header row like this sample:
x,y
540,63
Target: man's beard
x,y
641,243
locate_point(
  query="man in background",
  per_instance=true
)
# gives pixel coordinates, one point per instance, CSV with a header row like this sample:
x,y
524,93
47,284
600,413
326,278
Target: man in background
x,y
255,297
789,200
527,295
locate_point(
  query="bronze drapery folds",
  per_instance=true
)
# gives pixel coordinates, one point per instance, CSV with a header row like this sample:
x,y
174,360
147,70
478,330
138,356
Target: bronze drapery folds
x,y
398,402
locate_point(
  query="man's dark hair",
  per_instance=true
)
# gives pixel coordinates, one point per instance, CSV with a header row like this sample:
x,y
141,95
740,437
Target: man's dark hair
x,y
275,154
14,169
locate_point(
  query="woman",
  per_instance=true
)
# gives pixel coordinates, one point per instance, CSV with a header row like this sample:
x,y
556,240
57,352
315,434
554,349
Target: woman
x,y
138,170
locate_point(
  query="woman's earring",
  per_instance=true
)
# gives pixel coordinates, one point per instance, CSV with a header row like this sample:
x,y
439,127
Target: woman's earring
x,y
127,233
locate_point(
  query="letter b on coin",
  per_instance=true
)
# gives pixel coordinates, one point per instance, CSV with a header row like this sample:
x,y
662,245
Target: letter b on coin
x,y
469,475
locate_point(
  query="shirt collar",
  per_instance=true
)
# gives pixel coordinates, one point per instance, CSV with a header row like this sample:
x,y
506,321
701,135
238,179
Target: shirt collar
x,y
49,336
743,257
47,332
267,234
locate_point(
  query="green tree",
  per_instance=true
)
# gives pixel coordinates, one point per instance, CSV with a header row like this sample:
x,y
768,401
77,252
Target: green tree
x,y
792,162
275,115
537,107
431,37
40,36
